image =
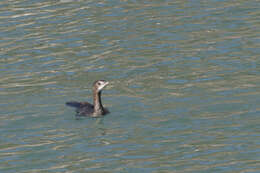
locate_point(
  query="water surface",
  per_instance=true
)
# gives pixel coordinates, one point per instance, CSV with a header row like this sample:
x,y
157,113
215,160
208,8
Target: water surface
x,y
183,94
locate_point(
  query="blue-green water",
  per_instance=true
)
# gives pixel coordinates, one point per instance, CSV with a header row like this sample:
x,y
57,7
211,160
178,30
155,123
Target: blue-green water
x,y
184,93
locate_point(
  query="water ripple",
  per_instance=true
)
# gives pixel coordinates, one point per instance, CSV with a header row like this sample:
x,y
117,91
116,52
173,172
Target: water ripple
x,y
183,88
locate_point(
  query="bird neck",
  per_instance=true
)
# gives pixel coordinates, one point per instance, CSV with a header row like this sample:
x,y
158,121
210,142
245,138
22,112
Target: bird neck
x,y
98,107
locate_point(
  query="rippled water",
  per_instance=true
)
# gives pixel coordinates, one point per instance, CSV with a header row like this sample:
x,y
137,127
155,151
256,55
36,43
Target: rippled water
x,y
184,93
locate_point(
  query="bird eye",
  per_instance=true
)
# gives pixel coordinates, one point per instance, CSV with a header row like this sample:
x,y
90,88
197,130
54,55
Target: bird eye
x,y
98,83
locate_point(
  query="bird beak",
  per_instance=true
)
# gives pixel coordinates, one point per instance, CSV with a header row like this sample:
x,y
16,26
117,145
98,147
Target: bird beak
x,y
106,83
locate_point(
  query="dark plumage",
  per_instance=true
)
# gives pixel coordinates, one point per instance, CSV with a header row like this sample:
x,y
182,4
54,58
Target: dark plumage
x,y
93,110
